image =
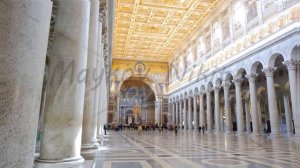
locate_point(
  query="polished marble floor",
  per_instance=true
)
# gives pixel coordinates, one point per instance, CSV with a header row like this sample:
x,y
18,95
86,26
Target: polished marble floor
x,y
166,150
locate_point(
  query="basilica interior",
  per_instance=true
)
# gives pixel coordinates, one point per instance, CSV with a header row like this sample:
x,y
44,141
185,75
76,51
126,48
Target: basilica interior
x,y
149,83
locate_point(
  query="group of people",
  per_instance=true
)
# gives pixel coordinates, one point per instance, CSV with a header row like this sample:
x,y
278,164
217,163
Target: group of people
x,y
199,129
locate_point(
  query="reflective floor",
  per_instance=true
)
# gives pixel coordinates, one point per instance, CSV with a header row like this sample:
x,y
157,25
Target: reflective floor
x,y
165,150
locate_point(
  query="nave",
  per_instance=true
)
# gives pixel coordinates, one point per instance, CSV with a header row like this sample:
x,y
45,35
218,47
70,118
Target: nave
x,y
153,149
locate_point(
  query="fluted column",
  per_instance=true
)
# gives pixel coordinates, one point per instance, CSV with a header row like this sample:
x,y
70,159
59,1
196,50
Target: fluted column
x,y
272,102
217,109
196,118
228,119
185,111
209,111
253,104
239,106
294,89
24,34
288,115
89,124
190,124
202,115
61,141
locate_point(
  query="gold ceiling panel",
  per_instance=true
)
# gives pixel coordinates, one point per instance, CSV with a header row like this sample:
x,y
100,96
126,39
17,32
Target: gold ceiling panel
x,y
154,29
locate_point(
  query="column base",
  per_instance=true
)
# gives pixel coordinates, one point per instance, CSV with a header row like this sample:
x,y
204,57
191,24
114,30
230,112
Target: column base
x,y
89,154
42,163
93,145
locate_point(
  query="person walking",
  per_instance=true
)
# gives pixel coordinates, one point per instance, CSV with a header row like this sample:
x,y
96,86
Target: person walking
x,y
105,128
175,130
203,127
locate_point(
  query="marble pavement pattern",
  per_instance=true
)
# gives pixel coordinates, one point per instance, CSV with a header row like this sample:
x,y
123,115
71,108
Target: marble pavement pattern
x,y
188,149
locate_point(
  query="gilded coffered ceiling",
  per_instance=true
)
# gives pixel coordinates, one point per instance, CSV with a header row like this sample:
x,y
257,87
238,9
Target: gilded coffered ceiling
x,y
153,29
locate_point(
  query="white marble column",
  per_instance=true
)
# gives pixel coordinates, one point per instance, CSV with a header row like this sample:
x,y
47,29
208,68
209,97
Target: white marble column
x,y
158,111
24,37
102,91
196,118
272,102
209,111
177,113
89,124
239,107
61,141
288,114
190,123
253,104
260,124
247,112
180,114
228,120
217,109
202,115
118,109
185,114
294,88
173,114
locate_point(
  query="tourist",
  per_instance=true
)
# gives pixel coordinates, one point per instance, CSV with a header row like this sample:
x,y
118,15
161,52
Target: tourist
x,y
105,128
175,130
140,128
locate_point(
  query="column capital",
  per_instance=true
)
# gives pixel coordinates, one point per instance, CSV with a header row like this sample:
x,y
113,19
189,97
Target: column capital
x,y
202,92
251,77
217,88
269,72
226,85
291,64
237,82
208,91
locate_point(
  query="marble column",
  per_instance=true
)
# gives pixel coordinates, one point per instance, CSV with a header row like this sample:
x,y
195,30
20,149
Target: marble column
x,y
118,109
61,141
247,112
190,121
288,114
209,111
294,89
228,119
89,124
158,111
177,113
102,91
185,113
217,109
196,118
272,102
239,106
173,114
260,124
202,115
180,114
24,37
253,104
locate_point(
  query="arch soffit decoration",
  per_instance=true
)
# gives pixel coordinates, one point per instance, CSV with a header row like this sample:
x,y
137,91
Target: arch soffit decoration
x,y
148,81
